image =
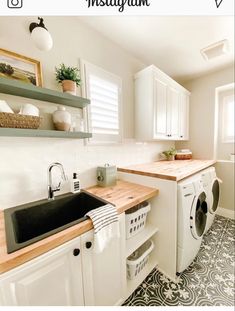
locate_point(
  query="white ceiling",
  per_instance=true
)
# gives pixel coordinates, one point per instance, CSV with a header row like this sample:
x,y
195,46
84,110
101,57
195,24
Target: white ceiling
x,y
172,43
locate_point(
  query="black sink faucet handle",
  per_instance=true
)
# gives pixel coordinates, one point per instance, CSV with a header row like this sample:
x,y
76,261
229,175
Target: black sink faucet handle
x,y
76,252
88,245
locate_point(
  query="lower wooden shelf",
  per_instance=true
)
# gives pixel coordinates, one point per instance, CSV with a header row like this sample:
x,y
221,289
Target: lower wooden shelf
x,y
133,284
136,241
13,132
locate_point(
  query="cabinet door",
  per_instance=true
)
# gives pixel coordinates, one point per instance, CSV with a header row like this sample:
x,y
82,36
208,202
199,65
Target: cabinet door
x,y
160,109
184,117
173,113
103,273
53,279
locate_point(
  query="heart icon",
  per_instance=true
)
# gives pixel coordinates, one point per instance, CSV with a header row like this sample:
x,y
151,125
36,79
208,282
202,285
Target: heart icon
x,y
218,3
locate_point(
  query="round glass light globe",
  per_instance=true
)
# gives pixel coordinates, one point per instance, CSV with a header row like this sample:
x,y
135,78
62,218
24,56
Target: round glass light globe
x,y
42,39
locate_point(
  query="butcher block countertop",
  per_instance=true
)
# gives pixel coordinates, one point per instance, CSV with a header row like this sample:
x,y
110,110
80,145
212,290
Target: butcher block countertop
x,y
124,195
170,170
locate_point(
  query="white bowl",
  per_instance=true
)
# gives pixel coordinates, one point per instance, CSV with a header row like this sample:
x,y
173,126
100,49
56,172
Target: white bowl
x,y
4,107
30,110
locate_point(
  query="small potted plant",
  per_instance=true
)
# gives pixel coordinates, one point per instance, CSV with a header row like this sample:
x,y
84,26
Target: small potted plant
x,y
170,154
69,77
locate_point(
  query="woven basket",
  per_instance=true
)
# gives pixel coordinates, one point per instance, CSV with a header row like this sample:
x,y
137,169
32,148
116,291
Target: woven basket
x,y
186,156
12,120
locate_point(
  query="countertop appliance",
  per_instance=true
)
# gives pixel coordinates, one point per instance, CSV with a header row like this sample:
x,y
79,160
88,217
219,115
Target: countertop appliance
x,y
106,175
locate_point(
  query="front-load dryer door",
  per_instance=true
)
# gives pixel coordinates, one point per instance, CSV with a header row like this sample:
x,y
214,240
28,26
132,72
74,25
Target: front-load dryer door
x,y
215,188
198,216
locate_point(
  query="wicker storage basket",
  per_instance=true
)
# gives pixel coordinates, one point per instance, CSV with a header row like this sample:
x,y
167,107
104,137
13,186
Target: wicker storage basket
x,y
12,120
183,155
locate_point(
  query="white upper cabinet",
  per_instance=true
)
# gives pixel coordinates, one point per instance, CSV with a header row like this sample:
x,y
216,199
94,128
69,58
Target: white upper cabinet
x,y
161,107
160,110
173,102
184,117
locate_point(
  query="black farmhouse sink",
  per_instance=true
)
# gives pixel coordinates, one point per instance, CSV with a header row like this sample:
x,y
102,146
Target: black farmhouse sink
x,y
29,223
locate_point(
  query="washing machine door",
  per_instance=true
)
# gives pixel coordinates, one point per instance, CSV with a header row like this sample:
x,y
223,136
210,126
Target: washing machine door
x,y
198,215
215,188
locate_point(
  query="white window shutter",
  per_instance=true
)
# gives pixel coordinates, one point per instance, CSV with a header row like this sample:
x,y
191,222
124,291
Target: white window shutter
x,y
103,114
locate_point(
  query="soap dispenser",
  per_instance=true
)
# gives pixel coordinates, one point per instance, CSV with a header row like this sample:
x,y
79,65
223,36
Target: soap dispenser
x,y
75,184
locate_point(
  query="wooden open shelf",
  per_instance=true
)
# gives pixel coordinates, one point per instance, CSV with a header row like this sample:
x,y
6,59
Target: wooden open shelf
x,y
17,88
136,241
133,284
12,132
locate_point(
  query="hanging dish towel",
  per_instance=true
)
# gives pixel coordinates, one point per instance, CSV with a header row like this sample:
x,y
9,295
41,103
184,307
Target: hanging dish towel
x,y
106,226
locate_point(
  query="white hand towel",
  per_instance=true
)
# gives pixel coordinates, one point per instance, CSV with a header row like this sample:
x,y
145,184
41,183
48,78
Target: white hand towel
x,y
106,226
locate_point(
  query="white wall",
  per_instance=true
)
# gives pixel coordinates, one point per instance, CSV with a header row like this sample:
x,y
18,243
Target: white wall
x,y
225,171
73,40
202,127
24,161
202,112
223,149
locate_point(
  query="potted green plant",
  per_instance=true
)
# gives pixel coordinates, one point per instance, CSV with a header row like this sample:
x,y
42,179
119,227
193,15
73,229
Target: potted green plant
x,y
69,77
170,154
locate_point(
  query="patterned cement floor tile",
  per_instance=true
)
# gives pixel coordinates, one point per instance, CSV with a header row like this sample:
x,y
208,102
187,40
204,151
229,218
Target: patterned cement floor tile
x,y
208,281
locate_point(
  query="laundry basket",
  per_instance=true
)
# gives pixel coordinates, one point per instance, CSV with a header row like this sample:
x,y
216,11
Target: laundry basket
x,y
138,260
136,218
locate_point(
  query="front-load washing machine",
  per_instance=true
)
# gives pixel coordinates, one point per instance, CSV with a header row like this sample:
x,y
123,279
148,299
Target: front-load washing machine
x,y
211,185
192,218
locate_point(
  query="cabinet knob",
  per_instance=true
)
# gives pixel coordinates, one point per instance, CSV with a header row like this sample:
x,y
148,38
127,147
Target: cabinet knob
x,y
88,245
181,136
76,252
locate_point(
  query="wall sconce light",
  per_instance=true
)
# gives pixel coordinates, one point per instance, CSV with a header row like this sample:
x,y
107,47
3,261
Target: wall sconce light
x,y
40,35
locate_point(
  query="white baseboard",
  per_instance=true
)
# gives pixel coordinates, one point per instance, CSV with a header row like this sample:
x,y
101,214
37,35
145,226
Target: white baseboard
x,y
225,213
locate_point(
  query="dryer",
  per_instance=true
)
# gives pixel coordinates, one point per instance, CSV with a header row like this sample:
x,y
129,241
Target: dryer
x,y
211,184
192,219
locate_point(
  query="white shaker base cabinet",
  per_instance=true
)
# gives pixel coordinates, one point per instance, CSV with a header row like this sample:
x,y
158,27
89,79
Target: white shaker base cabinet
x,y
52,279
104,273
69,275
161,107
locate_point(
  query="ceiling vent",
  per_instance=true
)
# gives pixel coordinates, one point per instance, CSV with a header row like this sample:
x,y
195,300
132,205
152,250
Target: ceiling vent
x,y
215,50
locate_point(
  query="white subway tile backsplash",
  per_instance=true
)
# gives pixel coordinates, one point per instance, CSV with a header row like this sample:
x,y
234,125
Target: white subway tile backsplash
x,y
24,163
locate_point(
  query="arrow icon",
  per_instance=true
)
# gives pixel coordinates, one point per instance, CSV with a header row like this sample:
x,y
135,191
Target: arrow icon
x,y
218,3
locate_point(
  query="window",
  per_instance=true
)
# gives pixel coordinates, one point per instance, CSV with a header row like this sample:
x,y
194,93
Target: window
x,y
103,114
228,119
224,122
